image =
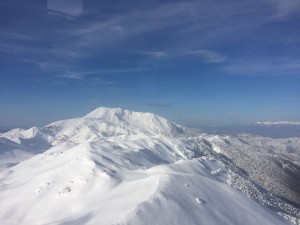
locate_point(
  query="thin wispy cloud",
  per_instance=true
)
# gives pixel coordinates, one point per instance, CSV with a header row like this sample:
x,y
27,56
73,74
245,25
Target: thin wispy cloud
x,y
155,54
77,74
68,9
74,75
286,8
15,35
96,101
264,67
160,105
208,56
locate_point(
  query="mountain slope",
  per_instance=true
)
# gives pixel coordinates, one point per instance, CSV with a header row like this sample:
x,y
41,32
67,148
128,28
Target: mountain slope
x,y
114,166
279,175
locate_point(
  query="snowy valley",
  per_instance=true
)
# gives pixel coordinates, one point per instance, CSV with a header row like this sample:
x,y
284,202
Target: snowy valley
x,y
114,166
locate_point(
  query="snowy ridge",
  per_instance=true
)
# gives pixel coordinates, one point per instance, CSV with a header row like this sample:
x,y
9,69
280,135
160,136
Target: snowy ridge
x,y
19,136
19,144
114,166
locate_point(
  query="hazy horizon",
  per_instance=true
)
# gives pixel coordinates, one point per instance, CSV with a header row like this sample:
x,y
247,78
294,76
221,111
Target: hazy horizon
x,y
282,129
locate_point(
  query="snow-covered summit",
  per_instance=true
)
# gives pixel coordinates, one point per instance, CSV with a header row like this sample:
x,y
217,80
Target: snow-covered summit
x,y
108,113
144,121
109,122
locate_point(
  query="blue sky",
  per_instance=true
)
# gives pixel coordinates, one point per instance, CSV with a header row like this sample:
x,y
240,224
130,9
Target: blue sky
x,y
194,62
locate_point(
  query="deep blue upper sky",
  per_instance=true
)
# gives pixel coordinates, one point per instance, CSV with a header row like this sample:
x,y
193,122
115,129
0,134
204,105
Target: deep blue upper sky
x,y
194,62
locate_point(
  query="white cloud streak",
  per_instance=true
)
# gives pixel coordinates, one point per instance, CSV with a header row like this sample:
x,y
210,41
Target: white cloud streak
x,y
98,72
278,123
209,56
155,54
264,67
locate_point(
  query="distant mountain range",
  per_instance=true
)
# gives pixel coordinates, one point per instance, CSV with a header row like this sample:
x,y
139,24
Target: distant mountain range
x,y
266,129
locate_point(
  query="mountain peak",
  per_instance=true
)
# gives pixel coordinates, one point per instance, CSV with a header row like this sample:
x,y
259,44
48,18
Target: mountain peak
x,y
142,121
105,112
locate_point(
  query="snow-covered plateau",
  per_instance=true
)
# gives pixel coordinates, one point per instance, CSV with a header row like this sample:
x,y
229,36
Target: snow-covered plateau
x,y
117,167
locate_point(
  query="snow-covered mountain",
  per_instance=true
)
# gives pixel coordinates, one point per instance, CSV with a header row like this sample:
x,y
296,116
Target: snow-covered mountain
x,y
114,166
